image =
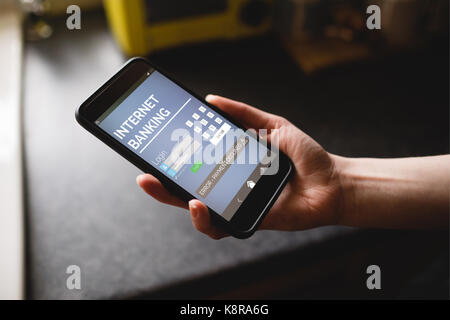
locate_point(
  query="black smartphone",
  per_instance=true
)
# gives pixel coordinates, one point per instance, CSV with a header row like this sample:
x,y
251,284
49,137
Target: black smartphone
x,y
192,147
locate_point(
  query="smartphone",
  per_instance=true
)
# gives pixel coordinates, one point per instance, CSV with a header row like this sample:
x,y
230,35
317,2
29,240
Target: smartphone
x,y
192,147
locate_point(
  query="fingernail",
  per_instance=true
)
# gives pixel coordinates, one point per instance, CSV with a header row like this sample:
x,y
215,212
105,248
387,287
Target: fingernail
x,y
193,209
139,177
209,96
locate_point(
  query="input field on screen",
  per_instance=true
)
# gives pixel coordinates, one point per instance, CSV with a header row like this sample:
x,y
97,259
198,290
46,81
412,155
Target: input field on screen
x,y
178,150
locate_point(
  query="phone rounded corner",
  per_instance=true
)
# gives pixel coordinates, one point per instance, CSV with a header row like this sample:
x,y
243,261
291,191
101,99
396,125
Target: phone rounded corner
x,y
290,170
79,117
137,59
78,113
243,235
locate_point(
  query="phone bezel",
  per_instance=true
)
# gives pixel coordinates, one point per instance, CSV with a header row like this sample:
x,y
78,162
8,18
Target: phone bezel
x,y
251,212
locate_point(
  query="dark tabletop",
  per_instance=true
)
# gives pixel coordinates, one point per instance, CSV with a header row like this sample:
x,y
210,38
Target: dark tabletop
x,y
83,204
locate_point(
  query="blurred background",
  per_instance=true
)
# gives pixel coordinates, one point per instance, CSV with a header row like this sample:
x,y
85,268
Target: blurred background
x,y
66,199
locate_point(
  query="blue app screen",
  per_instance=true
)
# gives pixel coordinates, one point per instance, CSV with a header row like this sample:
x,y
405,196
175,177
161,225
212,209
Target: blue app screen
x,y
190,143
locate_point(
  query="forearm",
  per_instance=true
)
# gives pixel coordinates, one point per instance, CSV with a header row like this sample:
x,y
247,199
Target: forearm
x,y
394,193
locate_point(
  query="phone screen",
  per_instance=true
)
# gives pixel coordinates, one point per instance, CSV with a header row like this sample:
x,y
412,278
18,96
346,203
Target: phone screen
x,y
198,148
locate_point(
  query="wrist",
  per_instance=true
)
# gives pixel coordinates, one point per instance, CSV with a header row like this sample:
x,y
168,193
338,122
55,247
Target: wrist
x,y
392,193
346,204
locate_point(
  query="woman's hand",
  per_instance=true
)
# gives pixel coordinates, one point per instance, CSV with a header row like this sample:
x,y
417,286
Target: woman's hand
x,y
311,198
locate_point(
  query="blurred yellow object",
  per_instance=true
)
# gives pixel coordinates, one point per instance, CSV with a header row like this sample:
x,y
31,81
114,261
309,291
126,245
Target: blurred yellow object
x,y
143,26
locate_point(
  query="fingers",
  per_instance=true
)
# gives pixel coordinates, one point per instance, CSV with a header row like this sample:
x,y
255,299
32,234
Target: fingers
x,y
154,188
202,220
280,134
199,212
249,116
